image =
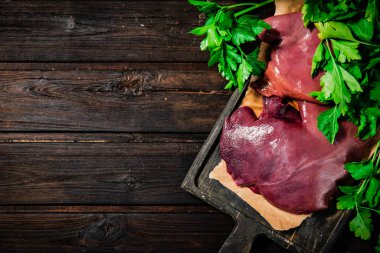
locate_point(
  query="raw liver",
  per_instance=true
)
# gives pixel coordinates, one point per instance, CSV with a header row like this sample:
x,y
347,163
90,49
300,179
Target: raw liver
x,y
283,155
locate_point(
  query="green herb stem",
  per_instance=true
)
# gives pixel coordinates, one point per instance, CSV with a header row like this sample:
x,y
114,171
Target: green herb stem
x,y
374,153
368,208
367,44
255,6
239,5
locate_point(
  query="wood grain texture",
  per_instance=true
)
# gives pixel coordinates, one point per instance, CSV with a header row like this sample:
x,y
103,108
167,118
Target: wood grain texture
x,y
141,98
131,232
28,209
138,31
98,170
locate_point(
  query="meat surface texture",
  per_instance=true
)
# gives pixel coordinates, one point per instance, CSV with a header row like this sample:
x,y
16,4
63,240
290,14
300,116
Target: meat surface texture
x,y
292,48
284,157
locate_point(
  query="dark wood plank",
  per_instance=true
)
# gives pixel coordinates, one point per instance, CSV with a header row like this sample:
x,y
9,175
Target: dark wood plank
x,y
107,209
97,170
150,76
101,138
140,98
138,31
110,232
99,31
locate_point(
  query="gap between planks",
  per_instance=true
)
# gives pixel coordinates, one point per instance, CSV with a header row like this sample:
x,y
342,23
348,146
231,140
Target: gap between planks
x,y
105,209
101,138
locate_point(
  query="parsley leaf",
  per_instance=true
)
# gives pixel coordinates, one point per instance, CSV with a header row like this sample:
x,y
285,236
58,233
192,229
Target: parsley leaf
x,y
361,225
243,73
363,29
258,66
205,6
360,170
364,198
348,53
328,123
320,58
225,31
346,50
368,125
346,202
373,192
334,30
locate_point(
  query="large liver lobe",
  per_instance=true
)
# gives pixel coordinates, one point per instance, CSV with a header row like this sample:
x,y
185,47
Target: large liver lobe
x,y
284,157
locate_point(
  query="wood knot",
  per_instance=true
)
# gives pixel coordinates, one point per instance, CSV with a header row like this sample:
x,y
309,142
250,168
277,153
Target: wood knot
x,y
70,24
135,84
131,182
103,231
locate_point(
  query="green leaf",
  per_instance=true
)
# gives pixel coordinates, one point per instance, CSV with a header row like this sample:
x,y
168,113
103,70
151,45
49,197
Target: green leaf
x,y
361,225
373,62
360,170
232,57
341,95
253,23
212,40
347,50
241,35
334,30
215,56
327,83
259,27
200,30
355,70
258,67
363,29
243,73
252,20
229,85
373,193
205,6
319,59
375,93
328,123
226,19
368,122
350,80
346,202
371,10
339,92
312,13
348,189
322,11
247,29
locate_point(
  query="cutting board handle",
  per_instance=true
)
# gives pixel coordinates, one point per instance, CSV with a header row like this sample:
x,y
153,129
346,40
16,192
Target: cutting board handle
x,y
243,235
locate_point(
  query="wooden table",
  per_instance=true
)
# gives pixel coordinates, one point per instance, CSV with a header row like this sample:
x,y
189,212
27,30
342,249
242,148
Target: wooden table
x,y
104,106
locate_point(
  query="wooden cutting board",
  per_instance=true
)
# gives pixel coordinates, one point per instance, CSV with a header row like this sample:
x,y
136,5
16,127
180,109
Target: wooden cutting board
x,y
315,235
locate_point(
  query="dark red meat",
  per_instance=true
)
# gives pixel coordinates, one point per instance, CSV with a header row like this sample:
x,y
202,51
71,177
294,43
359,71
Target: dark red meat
x,y
283,155
289,69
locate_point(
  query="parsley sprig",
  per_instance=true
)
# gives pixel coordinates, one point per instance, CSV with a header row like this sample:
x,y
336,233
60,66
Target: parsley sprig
x,y
348,53
362,198
226,29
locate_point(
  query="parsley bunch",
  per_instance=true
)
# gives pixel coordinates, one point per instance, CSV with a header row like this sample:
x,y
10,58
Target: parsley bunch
x,y
226,29
363,198
349,53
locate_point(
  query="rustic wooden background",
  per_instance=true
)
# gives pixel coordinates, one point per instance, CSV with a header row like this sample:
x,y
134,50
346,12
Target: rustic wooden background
x,y
104,106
